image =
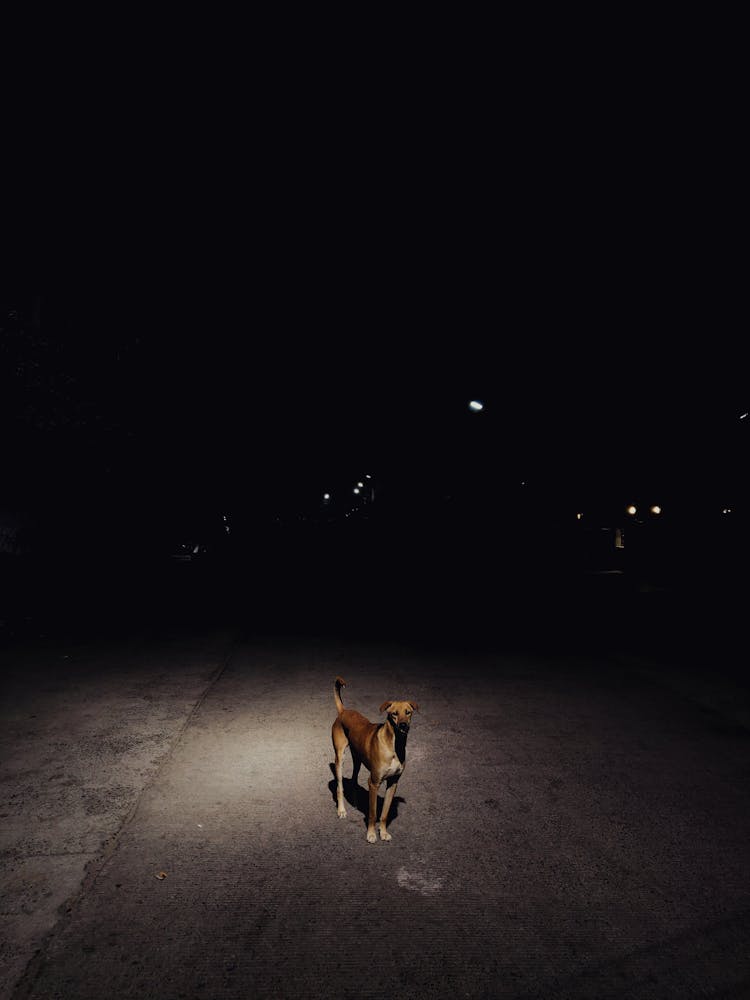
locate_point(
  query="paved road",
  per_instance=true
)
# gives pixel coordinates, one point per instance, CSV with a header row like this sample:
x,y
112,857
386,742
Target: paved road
x,y
568,826
84,726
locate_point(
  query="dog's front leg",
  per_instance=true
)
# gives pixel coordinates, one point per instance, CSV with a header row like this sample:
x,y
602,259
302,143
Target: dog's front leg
x,y
392,785
372,814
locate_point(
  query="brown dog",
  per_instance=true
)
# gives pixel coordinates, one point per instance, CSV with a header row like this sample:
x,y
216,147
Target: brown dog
x,y
381,747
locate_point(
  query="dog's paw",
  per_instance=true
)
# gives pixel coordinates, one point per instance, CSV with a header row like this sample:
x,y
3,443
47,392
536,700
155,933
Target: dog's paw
x,y
384,835
341,813
371,838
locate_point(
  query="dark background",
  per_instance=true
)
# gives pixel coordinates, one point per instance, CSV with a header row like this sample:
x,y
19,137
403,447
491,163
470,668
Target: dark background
x,y
227,301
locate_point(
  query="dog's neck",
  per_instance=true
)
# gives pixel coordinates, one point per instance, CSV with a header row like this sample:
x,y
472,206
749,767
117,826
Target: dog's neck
x,y
399,741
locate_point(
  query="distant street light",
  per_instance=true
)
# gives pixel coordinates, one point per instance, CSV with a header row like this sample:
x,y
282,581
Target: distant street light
x,y
476,406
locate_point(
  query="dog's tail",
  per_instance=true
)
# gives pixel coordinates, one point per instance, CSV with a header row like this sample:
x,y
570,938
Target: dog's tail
x,y
337,685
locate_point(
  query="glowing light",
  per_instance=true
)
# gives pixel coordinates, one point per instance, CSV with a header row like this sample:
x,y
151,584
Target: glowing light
x,y
368,476
326,496
578,517
476,406
632,510
743,416
356,490
360,484
727,510
656,509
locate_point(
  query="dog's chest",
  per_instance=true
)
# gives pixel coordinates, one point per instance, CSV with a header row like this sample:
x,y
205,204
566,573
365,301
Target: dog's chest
x,y
394,766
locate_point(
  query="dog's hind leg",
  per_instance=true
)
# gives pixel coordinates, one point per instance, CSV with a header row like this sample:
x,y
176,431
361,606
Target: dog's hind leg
x,y
340,743
356,764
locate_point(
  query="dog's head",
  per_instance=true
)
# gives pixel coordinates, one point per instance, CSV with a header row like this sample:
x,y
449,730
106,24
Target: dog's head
x,y
399,714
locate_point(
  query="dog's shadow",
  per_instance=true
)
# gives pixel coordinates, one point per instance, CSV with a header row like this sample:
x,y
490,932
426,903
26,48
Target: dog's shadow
x,y
359,798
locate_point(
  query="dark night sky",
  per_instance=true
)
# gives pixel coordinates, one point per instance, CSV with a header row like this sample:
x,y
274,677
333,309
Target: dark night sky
x,y
211,400
238,313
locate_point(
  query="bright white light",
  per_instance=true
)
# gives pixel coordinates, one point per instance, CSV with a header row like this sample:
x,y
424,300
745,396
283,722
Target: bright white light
x,y
368,476
356,490
632,510
656,509
360,484
727,510
743,416
578,517
326,496
476,406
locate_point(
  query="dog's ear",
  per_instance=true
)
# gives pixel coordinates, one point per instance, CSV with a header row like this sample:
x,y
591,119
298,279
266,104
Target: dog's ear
x,y
386,705
414,706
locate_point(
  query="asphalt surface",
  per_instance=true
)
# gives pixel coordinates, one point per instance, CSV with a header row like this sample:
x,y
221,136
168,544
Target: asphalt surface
x,y
85,725
573,822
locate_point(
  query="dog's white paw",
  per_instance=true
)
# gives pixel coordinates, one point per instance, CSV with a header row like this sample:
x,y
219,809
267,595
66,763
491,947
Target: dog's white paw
x,y
371,838
384,835
341,813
